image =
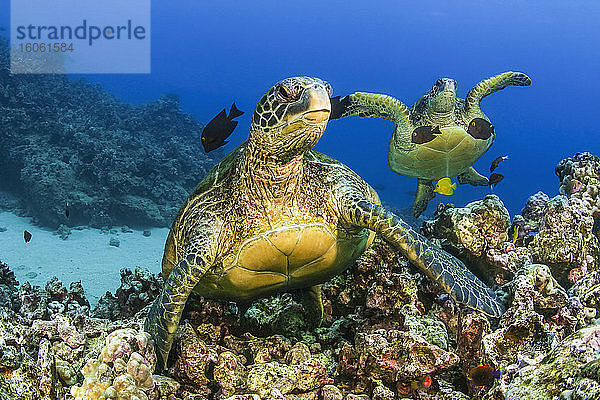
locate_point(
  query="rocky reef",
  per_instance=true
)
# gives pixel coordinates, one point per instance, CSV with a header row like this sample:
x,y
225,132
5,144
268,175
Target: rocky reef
x,y
66,141
388,332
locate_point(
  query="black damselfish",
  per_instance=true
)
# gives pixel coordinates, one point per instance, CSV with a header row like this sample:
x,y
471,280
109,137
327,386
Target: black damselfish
x,y
338,107
483,375
26,236
496,162
424,134
479,128
220,128
495,178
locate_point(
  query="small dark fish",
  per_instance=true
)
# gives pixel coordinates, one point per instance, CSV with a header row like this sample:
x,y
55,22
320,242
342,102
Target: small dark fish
x,y
483,375
67,210
573,186
26,236
596,227
496,162
479,128
495,178
338,107
424,134
220,128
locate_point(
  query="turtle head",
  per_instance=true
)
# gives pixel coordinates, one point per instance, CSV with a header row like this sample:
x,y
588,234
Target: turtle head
x,y
442,96
291,117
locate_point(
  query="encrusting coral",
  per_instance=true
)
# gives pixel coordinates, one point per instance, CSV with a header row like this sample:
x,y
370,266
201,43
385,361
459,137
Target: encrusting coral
x,y
123,370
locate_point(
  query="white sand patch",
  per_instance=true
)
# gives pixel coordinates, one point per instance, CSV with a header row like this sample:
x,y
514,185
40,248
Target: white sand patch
x,y
86,255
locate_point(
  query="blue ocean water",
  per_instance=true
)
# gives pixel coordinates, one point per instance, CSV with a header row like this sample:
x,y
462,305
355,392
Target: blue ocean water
x,y
214,53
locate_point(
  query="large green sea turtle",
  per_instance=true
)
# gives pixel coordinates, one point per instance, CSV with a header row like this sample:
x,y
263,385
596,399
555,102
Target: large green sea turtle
x,y
275,215
440,136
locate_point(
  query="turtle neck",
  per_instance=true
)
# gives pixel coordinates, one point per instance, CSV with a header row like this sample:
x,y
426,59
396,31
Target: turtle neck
x,y
268,178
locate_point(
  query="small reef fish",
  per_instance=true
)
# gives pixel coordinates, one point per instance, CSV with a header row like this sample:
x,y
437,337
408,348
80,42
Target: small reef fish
x,y
480,128
496,162
26,236
596,227
219,128
573,186
338,107
515,234
67,213
495,178
424,134
483,375
445,186
423,383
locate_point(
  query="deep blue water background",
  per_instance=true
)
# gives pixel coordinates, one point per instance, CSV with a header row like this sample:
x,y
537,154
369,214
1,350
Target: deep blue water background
x,y
213,53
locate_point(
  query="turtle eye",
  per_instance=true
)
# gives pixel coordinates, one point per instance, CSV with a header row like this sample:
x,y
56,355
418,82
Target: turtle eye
x,y
287,94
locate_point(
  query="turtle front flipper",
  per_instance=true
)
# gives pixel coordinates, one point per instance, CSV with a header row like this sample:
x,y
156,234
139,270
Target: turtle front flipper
x,y
163,319
425,193
493,84
449,272
473,177
372,105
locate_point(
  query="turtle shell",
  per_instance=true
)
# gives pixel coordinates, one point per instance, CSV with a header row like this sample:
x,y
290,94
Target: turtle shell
x,y
286,258
450,152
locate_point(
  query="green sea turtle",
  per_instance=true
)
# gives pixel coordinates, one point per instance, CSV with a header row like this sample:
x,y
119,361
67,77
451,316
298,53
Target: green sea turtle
x,y
440,136
275,215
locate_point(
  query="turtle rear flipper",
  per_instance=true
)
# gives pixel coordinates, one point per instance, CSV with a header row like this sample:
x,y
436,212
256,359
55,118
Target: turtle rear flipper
x,y
493,84
312,300
472,177
425,193
449,272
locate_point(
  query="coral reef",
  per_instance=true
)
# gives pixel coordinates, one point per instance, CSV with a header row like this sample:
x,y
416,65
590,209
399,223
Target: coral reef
x,y
528,222
477,233
67,141
123,370
580,178
571,370
9,288
565,240
52,300
388,333
138,289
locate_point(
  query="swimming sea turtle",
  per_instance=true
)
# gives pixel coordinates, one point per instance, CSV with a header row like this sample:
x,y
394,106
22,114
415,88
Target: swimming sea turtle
x,y
440,136
275,215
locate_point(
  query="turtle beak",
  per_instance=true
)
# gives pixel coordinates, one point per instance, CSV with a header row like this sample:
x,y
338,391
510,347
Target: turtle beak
x,y
449,85
318,106
445,85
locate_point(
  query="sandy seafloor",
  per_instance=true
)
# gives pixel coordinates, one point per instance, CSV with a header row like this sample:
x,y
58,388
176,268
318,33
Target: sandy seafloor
x,y
85,255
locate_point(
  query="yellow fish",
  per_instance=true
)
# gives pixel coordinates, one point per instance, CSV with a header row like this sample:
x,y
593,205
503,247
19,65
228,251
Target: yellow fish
x,y
445,186
515,235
